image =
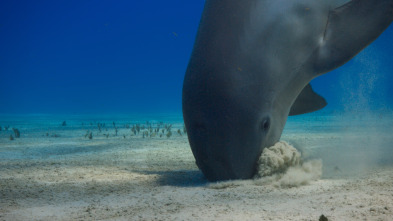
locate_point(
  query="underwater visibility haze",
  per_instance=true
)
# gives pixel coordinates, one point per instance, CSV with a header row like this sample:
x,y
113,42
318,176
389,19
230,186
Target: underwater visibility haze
x,y
102,56
94,56
91,122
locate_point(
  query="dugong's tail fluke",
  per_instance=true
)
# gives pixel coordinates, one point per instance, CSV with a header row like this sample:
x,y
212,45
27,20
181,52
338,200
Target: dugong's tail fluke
x,y
349,29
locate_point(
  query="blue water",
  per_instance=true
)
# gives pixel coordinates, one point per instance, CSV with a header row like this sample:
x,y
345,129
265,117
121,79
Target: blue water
x,y
104,62
128,57
96,62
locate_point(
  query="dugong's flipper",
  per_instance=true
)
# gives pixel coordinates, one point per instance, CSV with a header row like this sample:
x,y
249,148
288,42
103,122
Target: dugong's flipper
x,y
307,101
349,29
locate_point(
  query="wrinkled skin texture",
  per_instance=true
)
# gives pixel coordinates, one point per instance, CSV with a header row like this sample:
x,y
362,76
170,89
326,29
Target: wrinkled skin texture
x,y
251,60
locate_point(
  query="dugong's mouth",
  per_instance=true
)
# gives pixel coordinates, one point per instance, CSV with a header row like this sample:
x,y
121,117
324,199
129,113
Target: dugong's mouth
x,y
220,169
216,173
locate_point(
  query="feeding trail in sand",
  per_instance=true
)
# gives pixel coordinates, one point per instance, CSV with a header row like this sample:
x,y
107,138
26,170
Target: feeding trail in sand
x,y
281,166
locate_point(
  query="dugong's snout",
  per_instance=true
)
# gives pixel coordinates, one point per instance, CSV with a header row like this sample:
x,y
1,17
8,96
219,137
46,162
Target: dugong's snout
x,y
228,153
223,169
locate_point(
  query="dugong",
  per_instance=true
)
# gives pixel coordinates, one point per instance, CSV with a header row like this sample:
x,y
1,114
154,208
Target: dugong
x,y
251,66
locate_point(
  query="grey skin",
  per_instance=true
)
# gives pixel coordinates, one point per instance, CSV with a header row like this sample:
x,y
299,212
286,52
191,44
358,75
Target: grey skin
x,y
251,66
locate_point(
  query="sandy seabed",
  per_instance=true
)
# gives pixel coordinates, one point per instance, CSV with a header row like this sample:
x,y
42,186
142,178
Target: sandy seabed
x,y
73,178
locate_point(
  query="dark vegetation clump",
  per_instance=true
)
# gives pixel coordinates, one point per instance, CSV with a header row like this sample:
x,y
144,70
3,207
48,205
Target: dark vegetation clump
x,y
133,129
64,124
11,137
323,218
144,130
184,129
16,132
169,134
168,127
100,127
145,133
51,135
6,127
89,135
114,125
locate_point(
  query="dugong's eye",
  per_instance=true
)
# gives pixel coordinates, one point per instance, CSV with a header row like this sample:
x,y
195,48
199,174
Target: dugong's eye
x,y
265,124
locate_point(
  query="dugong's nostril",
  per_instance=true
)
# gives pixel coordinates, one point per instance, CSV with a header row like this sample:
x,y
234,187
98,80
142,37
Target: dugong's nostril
x,y
265,124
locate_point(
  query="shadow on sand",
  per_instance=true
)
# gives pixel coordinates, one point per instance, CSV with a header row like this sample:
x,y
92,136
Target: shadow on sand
x,y
179,178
